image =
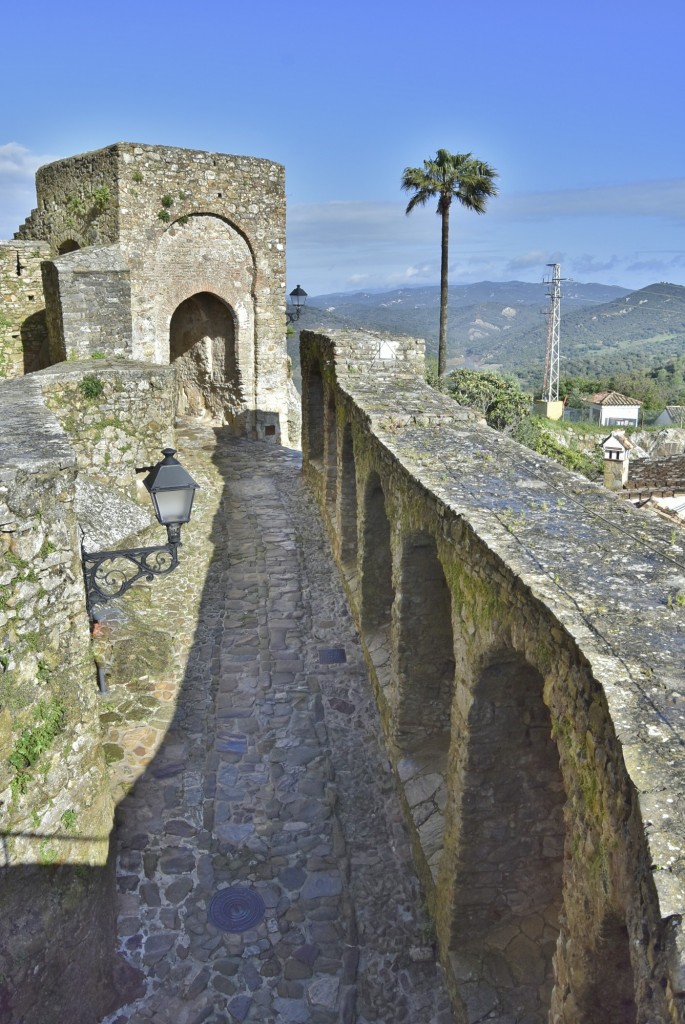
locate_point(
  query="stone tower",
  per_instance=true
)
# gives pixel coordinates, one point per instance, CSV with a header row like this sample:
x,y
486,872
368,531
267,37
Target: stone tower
x,y
170,256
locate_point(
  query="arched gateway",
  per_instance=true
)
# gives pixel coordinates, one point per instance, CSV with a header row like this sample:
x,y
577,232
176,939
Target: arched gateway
x,y
202,344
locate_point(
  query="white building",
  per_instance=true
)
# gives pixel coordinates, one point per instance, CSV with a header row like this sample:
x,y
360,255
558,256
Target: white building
x,y
611,409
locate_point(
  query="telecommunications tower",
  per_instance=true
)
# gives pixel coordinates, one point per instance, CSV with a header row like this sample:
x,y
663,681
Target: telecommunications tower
x,y
550,390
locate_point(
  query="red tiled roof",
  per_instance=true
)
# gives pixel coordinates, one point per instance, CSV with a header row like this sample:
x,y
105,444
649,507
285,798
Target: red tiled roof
x,y
611,398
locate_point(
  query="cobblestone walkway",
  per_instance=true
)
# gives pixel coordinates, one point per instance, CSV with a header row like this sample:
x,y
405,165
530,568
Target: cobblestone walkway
x,y
256,762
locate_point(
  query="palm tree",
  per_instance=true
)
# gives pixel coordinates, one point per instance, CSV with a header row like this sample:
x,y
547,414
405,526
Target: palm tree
x,y
449,176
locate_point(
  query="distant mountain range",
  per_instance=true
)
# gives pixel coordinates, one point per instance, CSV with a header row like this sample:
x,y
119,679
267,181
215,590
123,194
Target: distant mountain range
x,y
501,325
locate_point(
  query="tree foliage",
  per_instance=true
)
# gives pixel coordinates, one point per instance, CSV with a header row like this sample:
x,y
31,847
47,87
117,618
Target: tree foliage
x,y
500,399
507,408
656,388
446,177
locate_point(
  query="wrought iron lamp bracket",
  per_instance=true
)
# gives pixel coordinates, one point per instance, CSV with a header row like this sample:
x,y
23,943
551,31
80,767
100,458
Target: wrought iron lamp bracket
x,y
109,574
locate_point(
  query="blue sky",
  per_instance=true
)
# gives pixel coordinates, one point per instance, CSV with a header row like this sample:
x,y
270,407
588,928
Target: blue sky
x,y
580,107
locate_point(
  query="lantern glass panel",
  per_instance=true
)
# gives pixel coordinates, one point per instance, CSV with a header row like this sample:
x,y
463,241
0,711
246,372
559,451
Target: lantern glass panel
x,y
174,506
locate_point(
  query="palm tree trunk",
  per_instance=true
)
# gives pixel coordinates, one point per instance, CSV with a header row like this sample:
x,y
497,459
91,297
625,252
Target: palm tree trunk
x,y
444,261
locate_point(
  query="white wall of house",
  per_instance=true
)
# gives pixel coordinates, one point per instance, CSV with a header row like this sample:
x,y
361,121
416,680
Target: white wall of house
x,y
616,415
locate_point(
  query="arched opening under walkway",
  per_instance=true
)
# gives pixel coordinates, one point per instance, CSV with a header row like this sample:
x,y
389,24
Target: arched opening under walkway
x,y
425,646
508,885
314,417
376,579
425,686
202,345
348,501
604,987
331,456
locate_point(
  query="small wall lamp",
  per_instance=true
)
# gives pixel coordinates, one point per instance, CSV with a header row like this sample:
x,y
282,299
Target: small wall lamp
x,y
298,300
109,574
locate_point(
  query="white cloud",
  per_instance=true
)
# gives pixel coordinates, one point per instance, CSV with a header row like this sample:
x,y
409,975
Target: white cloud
x,y
657,266
18,166
18,161
628,234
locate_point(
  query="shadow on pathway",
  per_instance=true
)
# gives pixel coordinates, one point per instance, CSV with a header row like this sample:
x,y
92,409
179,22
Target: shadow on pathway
x,y
268,775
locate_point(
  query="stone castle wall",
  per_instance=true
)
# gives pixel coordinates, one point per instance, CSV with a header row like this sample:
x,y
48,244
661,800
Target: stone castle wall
x,y
88,305
23,329
528,668
70,427
55,807
117,415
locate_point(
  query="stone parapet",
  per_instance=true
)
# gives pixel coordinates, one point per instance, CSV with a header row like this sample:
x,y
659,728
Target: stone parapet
x,y
117,415
522,631
56,901
72,433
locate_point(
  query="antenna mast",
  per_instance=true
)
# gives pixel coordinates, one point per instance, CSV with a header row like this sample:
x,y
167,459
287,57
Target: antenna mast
x,y
550,390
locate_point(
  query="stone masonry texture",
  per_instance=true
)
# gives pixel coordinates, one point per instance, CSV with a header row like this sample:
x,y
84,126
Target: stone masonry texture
x,y
141,238
23,327
419,691
251,761
527,662
56,900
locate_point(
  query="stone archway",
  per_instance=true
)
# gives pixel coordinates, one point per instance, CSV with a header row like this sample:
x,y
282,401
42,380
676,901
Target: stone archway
x,y
509,855
68,246
202,345
206,256
331,448
424,667
377,593
314,411
348,501
425,644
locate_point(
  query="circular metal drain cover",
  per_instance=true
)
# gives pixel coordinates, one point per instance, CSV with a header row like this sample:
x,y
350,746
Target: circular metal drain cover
x,y
236,909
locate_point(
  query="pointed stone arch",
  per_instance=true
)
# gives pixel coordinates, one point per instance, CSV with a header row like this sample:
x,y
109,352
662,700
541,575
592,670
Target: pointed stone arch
x,y
205,254
425,643
68,245
202,346
424,668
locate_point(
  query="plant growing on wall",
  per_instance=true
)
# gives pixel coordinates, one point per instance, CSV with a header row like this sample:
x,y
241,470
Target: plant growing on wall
x,y
76,205
34,741
167,202
500,400
90,386
101,198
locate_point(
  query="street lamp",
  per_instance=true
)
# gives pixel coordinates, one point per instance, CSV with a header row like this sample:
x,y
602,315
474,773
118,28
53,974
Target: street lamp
x,y
109,574
298,300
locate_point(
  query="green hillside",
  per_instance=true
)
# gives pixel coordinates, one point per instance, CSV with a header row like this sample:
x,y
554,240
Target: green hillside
x,y
493,325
